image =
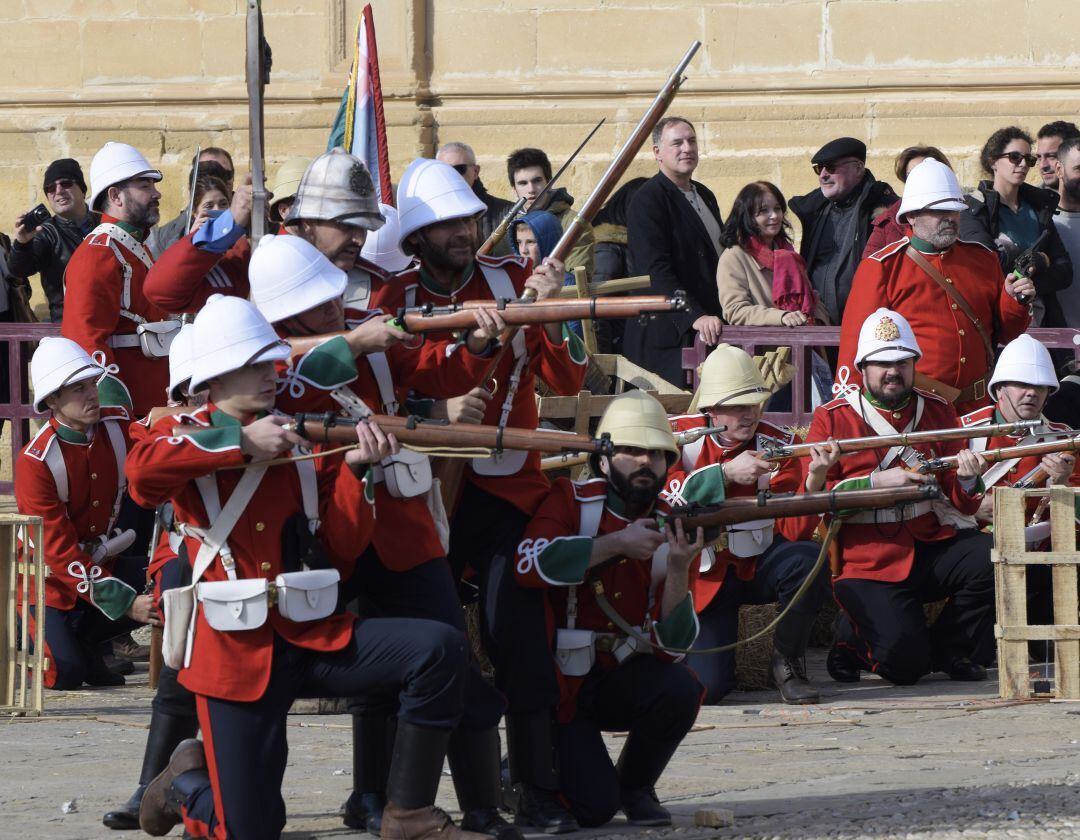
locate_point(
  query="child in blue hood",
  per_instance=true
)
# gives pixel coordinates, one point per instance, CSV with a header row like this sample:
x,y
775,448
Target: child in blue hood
x,y
535,235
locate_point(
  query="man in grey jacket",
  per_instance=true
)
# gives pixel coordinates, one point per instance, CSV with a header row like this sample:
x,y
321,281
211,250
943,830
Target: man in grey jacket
x,y
46,249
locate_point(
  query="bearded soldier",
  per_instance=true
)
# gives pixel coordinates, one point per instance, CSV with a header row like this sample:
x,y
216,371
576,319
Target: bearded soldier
x,y
895,560
756,562
498,494
605,529
106,309
951,292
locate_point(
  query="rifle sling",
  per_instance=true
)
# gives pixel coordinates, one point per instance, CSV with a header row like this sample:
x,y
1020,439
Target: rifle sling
x,y
957,298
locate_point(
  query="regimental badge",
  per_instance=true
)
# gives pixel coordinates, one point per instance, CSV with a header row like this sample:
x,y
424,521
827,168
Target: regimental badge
x,y
360,181
886,330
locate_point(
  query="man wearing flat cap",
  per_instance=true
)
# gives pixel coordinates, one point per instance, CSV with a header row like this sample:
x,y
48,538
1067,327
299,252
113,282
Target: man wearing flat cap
x,y
835,218
959,307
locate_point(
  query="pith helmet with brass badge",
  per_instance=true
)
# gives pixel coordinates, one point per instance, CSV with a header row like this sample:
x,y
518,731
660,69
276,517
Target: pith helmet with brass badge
x,y
729,377
636,419
886,336
337,187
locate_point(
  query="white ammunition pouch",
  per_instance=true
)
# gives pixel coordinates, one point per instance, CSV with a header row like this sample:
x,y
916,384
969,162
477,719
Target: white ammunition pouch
x,y
308,595
156,337
233,605
749,539
575,651
407,474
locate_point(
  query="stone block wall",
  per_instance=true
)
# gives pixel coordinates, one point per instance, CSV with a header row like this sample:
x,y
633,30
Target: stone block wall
x,y
771,83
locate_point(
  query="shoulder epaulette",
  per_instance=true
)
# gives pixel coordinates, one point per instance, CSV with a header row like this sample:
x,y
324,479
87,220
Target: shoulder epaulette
x,y
780,435
832,405
499,262
929,396
39,444
890,249
972,242
1058,427
682,422
978,417
114,412
589,488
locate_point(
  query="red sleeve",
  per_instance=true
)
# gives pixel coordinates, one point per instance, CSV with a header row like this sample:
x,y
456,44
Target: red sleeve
x,y
561,366
160,466
178,282
434,372
348,517
867,294
92,298
35,494
791,478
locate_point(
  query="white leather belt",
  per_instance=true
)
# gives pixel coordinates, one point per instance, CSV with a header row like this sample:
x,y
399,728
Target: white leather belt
x,y
127,340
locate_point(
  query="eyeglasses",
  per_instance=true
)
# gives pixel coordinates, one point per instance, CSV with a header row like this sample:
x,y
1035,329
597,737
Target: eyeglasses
x,y
1015,158
462,168
831,167
59,184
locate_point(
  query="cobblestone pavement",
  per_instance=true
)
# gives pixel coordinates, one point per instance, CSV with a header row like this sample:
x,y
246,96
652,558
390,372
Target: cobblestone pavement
x,y
939,760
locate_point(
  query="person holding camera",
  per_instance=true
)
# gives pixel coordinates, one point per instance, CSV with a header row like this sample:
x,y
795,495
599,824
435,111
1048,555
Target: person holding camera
x,y
1016,220
44,242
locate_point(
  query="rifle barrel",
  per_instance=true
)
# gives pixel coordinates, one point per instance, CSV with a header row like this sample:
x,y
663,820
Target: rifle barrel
x,y
993,456
765,506
415,431
520,313
860,444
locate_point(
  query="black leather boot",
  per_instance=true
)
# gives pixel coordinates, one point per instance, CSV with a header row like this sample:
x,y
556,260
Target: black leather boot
x,y
787,669
534,771
410,813
166,733
373,744
474,765
842,665
640,765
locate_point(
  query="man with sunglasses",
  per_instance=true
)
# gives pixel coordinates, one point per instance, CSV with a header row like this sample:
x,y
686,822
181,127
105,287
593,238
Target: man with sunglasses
x,y
462,157
48,247
836,217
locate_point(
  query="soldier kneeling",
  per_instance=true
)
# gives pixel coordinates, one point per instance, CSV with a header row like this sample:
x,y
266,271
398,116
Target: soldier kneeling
x,y
610,646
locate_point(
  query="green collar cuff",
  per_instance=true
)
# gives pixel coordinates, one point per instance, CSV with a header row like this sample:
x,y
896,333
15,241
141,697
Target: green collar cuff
x,y
428,282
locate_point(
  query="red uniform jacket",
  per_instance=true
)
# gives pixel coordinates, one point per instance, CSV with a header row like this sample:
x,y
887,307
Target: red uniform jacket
x,y
185,275
90,465
1024,466
885,551
694,478
405,534
236,666
952,351
94,296
554,555
561,366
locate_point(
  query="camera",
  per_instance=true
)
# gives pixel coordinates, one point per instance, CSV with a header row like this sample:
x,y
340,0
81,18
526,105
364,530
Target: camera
x,y
36,217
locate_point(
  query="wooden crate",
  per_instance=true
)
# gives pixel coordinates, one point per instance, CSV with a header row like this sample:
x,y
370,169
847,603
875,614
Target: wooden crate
x,y
1011,561
21,672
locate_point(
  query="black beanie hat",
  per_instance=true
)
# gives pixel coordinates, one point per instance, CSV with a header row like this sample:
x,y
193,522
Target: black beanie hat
x,y
65,168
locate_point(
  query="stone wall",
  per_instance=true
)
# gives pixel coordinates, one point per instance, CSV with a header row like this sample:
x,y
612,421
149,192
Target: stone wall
x,y
771,83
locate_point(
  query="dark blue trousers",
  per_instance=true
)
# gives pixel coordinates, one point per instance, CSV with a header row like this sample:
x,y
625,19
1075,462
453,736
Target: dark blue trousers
x,y
422,661
780,571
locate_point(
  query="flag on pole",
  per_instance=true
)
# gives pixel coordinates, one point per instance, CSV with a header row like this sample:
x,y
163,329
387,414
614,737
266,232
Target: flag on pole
x,y
360,127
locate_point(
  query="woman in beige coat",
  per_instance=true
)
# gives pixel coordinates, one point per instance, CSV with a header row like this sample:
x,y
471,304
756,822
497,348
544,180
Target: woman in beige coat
x,y
762,279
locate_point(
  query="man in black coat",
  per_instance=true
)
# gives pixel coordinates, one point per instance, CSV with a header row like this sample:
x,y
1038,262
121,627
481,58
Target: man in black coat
x,y
673,231
836,219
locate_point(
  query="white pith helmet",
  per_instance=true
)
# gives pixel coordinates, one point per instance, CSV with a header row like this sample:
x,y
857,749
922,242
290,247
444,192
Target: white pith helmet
x,y
432,191
289,275
116,162
230,333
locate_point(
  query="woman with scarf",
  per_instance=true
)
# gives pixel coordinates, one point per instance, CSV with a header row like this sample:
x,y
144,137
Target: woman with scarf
x,y
761,278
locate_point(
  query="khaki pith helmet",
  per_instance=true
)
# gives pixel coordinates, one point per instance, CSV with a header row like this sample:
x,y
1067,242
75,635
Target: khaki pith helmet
x,y
287,179
729,377
637,419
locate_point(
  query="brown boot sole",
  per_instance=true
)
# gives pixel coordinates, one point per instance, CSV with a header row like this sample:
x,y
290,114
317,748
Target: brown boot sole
x,y
156,818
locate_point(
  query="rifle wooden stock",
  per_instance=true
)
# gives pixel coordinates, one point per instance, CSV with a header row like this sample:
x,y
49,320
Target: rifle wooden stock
x,y
517,313
610,179
860,444
415,431
767,506
497,235
993,456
